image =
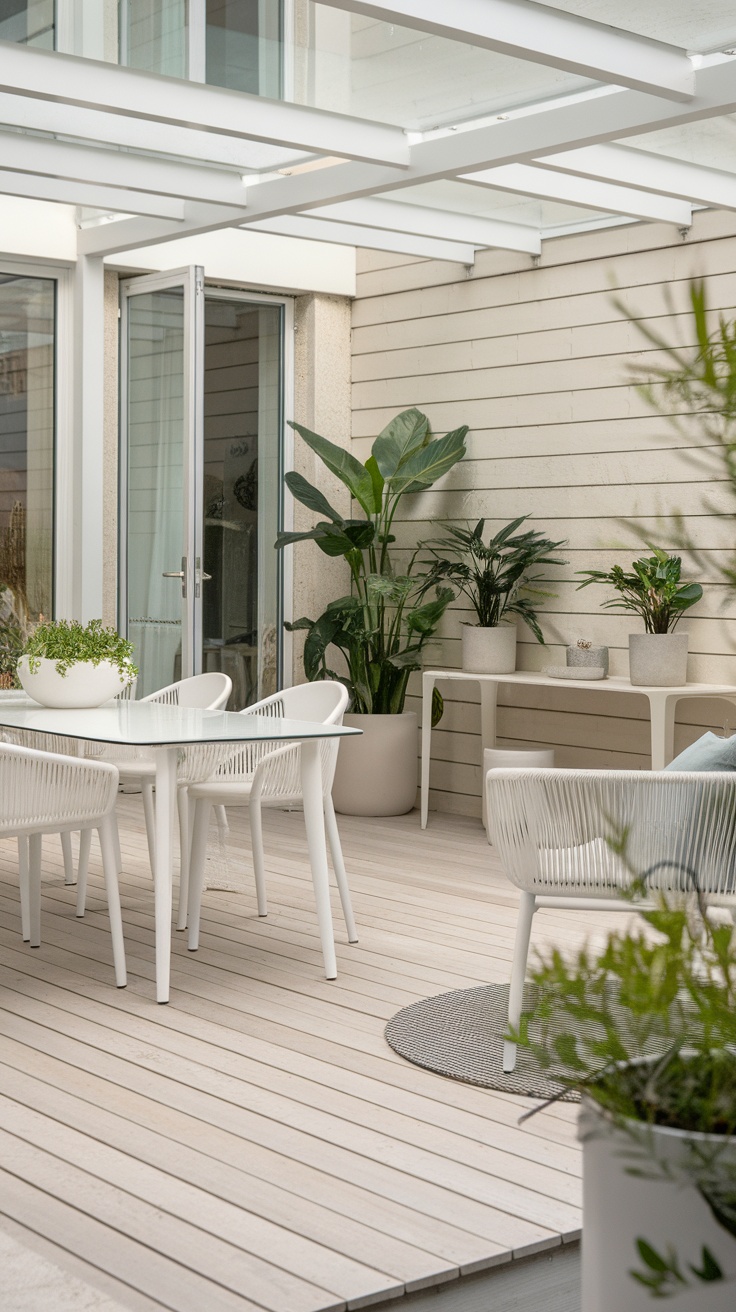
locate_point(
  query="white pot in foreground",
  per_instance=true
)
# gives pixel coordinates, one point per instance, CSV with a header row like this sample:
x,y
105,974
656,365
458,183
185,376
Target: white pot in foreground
x,y
83,685
658,659
489,651
377,773
619,1209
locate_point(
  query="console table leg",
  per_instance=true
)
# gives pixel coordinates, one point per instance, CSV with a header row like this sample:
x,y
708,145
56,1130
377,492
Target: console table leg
x,y
428,682
662,715
488,702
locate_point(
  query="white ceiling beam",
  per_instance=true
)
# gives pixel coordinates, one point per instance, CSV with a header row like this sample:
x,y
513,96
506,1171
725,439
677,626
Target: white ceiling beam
x,y
641,168
141,134
526,30
65,192
114,168
423,220
528,180
350,234
526,138
128,234
68,80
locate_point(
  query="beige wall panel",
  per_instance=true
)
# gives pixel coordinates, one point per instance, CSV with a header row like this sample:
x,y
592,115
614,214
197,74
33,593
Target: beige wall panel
x,y
538,361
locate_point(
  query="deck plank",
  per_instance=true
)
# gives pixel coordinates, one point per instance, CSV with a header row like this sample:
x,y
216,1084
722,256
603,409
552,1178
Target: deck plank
x,y
257,1144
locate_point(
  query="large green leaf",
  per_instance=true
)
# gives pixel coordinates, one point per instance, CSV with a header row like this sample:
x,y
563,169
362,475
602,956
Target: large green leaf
x,y
309,535
349,470
311,497
425,466
377,478
406,433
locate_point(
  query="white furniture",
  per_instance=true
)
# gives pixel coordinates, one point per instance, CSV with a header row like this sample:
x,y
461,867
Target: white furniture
x,y
257,776
552,831
43,793
168,729
512,758
662,704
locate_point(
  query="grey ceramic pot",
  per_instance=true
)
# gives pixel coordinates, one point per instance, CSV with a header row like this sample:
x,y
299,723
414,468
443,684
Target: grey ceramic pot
x,y
658,660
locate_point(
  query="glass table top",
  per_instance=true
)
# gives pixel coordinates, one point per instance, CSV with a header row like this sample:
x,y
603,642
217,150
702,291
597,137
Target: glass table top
x,y
149,724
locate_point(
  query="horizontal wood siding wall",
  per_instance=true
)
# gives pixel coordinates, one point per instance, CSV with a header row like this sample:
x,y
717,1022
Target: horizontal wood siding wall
x,y
538,361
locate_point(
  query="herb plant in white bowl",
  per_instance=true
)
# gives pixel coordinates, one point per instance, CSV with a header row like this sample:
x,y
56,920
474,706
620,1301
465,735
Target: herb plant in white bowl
x,y
68,664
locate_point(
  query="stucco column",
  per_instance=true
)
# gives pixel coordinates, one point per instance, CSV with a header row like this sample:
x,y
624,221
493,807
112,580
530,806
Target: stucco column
x,y
322,403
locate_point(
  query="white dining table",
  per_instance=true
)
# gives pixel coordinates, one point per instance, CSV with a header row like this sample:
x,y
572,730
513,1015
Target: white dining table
x,y
165,731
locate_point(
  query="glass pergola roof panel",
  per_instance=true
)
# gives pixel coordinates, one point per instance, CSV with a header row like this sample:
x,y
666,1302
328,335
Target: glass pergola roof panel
x,y
702,26
710,143
490,203
400,75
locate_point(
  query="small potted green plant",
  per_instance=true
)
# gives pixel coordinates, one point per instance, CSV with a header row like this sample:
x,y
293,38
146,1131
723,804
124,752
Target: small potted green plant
x,y
499,577
67,664
652,589
645,1032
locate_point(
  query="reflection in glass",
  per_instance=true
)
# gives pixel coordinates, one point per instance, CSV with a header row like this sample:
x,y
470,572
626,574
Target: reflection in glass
x,y
243,45
27,332
241,494
29,22
153,36
155,478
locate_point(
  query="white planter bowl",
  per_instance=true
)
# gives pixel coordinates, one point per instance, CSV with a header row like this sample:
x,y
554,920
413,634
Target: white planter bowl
x,y
619,1208
83,685
489,651
377,773
658,660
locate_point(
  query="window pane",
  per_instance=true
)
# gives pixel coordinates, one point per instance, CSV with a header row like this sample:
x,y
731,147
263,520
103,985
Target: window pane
x,y
27,313
153,36
29,22
243,50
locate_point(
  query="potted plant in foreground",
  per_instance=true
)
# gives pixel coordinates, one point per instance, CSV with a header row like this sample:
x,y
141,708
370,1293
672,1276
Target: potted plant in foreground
x,y
497,578
377,633
652,590
659,1152
67,664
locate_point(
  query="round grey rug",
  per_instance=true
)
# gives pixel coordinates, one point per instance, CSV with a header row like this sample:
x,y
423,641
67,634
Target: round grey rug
x,y
460,1035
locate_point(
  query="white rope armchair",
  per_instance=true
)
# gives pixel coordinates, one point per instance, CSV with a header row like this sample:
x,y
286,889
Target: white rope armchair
x,y
259,775
43,793
553,831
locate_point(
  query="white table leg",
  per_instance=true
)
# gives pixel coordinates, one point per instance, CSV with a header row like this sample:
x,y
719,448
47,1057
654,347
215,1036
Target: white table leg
x,y
662,714
314,820
488,704
428,682
165,758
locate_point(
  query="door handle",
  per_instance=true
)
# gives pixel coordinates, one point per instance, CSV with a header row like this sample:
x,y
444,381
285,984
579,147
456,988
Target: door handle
x,y
178,574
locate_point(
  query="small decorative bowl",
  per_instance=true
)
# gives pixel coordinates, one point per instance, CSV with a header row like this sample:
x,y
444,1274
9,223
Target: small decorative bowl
x,y
580,673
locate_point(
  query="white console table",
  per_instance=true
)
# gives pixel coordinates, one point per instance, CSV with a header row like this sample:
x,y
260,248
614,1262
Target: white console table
x,y
662,703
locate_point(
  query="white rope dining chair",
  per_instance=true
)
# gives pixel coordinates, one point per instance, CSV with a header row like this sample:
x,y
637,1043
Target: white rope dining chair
x,y
555,833
45,793
258,776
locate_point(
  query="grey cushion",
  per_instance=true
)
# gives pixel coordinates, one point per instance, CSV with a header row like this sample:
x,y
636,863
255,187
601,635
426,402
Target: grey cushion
x,y
709,753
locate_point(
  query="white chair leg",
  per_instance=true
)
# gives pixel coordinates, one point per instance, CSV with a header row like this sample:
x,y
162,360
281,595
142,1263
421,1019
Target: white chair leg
x,y
34,889
197,860
149,816
255,815
527,908
221,817
66,848
115,831
109,865
85,842
333,838
185,844
25,920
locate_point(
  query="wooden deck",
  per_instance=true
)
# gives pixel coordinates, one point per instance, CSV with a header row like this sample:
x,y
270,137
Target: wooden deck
x,y
256,1144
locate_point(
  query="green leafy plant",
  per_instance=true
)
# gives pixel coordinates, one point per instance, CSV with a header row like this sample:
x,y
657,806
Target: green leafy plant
x,y
67,642
652,589
382,627
497,576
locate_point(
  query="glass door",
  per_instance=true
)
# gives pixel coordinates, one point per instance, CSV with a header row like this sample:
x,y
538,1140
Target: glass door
x,y
161,436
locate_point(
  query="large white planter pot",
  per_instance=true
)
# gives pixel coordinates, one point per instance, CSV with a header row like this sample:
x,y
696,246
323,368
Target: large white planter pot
x,y
377,773
619,1209
83,685
489,651
658,659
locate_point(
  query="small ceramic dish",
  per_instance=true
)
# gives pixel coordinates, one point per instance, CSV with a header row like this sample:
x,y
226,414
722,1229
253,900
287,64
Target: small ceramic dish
x,y
580,673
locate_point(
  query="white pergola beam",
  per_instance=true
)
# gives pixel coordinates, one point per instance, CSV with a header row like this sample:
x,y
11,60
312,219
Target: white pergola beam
x,y
422,220
65,192
526,30
528,180
528,139
89,83
140,134
346,234
660,174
